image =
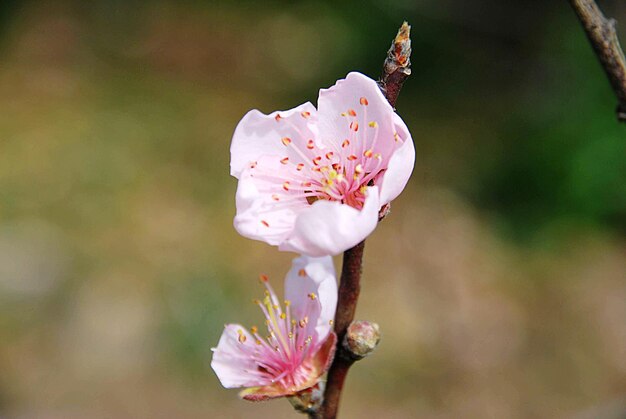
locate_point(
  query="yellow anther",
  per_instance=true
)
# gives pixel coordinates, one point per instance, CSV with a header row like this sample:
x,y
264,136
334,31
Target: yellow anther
x,y
372,124
254,330
283,316
312,296
287,303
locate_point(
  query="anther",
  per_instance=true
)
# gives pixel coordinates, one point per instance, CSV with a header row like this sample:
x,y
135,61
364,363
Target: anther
x,y
310,144
275,197
265,223
263,278
373,124
329,155
305,114
301,272
312,296
345,143
316,160
368,153
300,166
286,140
278,117
284,160
363,101
286,186
351,112
352,157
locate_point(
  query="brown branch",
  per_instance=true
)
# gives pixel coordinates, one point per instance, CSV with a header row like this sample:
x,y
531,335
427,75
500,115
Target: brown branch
x,y
603,38
395,70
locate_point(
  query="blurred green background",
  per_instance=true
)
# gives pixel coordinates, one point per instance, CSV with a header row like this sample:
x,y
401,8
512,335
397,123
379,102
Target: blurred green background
x,y
499,279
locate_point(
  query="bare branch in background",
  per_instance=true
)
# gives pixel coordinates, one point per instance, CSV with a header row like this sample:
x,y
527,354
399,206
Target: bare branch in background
x,y
603,37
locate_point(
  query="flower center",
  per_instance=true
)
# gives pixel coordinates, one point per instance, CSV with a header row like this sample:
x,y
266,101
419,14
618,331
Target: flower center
x,y
335,170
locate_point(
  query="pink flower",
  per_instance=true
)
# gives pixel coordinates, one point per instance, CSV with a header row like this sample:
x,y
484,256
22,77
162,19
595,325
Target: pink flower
x,y
300,343
311,180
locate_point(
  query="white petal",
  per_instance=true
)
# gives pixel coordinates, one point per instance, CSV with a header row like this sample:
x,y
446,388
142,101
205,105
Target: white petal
x,y
259,219
319,279
400,166
232,365
258,134
330,227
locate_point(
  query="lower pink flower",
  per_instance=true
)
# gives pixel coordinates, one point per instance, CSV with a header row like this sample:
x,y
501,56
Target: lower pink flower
x,y
299,344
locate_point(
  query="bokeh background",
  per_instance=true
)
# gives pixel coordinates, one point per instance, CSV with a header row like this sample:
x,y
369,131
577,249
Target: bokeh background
x,y
499,279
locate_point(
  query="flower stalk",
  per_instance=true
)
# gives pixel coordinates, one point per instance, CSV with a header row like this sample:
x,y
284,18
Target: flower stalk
x,y
396,70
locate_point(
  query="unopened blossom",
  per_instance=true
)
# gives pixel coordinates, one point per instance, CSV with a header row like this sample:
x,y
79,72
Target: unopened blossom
x,y
313,180
294,346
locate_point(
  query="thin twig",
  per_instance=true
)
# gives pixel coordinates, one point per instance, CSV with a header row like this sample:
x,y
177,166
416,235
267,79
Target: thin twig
x,y
395,70
603,37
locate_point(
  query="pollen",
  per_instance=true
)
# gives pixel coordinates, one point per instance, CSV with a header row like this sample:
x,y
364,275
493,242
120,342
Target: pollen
x,y
351,112
286,186
373,124
265,223
286,141
284,160
363,101
345,143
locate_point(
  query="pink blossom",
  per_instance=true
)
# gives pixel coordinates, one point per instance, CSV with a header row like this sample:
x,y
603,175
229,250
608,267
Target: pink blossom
x,y
300,343
311,180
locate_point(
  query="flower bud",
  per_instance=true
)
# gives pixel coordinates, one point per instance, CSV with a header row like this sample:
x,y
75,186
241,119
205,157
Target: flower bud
x,y
361,338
